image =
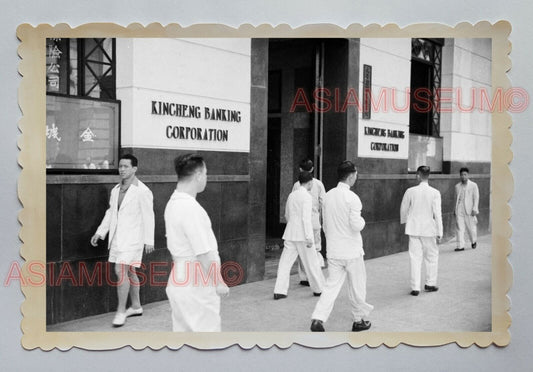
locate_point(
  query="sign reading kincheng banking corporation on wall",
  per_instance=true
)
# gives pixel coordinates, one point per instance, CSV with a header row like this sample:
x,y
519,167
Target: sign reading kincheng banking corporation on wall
x,y
201,124
381,140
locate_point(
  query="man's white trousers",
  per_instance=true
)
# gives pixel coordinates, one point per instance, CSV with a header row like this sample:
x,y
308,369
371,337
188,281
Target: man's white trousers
x,y
338,270
422,247
195,305
465,223
308,256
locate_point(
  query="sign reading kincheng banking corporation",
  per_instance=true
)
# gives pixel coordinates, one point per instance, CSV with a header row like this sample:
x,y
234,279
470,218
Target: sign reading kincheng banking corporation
x,y
200,124
383,140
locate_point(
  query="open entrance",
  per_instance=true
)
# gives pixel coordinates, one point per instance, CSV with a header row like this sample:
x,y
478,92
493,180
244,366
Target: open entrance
x,y
294,133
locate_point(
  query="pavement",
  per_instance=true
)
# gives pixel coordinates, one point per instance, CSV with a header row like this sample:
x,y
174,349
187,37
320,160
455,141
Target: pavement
x,y
462,303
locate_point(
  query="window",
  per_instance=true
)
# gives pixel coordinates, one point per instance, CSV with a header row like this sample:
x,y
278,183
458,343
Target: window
x,y
425,144
82,113
426,60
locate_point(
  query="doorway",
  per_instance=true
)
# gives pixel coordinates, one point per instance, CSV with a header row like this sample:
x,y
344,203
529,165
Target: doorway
x,y
294,132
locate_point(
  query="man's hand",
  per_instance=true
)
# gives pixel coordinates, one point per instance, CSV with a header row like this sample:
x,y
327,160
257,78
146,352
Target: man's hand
x,y
148,248
222,289
473,213
309,243
94,240
439,239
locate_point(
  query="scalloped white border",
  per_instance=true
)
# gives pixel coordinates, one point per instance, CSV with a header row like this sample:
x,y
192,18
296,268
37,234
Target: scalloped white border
x,y
33,217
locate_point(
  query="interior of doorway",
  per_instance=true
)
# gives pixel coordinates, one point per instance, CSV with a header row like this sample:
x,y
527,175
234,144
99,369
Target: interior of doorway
x,y
294,68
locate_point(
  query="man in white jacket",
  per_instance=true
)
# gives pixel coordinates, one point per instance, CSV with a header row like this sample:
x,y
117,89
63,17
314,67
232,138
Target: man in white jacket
x,y
318,193
466,210
342,224
130,224
299,240
420,211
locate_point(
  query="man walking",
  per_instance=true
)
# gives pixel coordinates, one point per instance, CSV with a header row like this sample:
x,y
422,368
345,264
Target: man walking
x,y
342,226
420,211
130,224
466,210
299,240
318,193
195,282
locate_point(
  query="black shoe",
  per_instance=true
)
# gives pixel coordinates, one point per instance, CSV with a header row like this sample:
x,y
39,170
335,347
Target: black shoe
x,y
279,296
431,288
317,294
474,245
414,293
304,282
459,249
362,325
317,326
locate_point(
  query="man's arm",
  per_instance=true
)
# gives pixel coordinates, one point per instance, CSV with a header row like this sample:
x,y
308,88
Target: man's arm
x,y
207,260
437,214
357,222
147,215
287,210
456,194
198,232
405,206
307,210
475,207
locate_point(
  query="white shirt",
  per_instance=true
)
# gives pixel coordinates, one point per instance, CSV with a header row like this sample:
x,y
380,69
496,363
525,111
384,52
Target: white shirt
x,y
318,193
421,211
298,215
188,227
343,223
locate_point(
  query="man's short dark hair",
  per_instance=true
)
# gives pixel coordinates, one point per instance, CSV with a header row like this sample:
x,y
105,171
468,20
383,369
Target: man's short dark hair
x,y
186,165
131,158
423,171
345,169
306,165
305,177
464,169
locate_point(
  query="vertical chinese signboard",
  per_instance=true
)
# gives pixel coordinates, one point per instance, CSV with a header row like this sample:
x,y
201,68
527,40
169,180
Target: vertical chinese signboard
x,y
367,92
57,59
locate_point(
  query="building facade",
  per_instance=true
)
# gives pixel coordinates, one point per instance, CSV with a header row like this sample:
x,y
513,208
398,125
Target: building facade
x,y
253,108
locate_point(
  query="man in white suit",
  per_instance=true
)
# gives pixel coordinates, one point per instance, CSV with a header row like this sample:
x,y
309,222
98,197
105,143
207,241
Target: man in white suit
x,y
420,211
195,282
466,210
130,224
318,193
299,240
342,225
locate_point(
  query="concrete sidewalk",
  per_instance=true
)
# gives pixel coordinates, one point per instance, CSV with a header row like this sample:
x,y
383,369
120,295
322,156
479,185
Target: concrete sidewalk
x,y
463,302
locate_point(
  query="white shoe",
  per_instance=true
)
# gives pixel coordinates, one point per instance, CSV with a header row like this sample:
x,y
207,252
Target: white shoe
x,y
119,320
134,312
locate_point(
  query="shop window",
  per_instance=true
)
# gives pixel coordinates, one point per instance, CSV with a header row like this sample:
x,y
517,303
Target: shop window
x,y
82,113
425,144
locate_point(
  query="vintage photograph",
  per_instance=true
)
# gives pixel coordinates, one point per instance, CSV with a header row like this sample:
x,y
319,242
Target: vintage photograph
x,y
258,185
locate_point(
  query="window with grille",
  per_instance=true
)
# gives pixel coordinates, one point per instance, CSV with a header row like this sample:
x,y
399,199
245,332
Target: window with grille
x,y
426,61
82,113
425,143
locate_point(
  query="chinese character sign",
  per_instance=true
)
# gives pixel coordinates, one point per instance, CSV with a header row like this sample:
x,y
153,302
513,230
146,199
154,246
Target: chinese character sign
x,y
56,65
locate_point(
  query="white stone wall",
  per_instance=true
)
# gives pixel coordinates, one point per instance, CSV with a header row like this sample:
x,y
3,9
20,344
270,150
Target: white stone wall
x,y
391,75
466,129
204,72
